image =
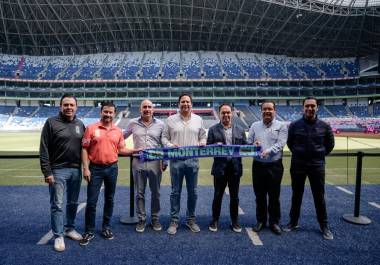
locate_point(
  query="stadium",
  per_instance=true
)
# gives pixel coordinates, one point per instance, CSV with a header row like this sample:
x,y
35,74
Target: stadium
x,y
240,52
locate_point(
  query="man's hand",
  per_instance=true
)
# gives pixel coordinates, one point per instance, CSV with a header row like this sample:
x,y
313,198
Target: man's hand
x,y
87,174
49,179
257,143
264,154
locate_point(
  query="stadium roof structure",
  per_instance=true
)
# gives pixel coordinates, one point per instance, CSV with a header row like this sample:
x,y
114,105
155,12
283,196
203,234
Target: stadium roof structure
x,y
305,28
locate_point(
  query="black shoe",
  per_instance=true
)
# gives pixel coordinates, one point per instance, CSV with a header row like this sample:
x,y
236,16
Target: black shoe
x,y
86,239
140,227
290,227
107,234
236,227
258,227
213,226
275,228
327,233
156,225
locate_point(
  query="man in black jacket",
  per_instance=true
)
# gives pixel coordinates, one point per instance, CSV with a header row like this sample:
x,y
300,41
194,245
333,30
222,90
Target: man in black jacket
x,y
226,171
310,140
60,160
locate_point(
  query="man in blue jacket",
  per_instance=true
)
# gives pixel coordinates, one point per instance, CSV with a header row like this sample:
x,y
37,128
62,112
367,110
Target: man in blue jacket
x,y
310,140
226,170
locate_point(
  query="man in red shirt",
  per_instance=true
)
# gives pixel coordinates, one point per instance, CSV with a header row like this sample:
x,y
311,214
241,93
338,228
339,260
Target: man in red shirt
x,y
102,142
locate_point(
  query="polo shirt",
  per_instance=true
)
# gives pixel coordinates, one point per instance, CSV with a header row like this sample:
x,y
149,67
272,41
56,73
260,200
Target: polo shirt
x,y
103,144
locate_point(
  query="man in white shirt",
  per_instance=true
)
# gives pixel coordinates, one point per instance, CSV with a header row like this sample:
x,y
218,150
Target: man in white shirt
x,y
184,129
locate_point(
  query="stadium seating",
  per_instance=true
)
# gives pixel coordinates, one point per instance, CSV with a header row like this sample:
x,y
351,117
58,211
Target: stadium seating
x,y
359,111
75,65
231,65
32,66
211,67
323,112
151,65
6,110
191,65
249,117
331,68
289,113
338,110
111,65
272,67
171,65
174,65
251,66
56,65
90,67
376,109
8,66
46,111
83,111
25,111
131,66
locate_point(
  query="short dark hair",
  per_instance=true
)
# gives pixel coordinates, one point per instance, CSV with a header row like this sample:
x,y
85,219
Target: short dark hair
x,y
107,104
308,98
268,101
67,95
185,94
225,104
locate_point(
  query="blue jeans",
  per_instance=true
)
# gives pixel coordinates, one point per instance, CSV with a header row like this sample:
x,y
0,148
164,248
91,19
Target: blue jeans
x,y
178,170
69,180
108,174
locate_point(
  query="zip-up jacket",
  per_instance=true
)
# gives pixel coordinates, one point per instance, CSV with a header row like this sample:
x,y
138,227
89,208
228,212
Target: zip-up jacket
x,y
60,144
310,141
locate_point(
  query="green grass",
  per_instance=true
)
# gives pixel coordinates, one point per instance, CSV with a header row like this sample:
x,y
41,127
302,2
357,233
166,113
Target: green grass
x,y
340,170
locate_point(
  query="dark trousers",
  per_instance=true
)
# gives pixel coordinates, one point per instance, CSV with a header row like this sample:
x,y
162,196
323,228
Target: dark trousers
x,y
220,184
316,175
266,179
100,174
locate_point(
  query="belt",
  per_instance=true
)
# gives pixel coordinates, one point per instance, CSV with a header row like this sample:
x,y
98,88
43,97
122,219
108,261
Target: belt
x,y
102,165
268,163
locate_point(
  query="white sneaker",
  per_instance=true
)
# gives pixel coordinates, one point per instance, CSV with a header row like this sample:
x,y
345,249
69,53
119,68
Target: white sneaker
x,y
74,235
59,244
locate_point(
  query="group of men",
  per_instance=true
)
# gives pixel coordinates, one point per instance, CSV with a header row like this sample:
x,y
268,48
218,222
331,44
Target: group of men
x,y
67,148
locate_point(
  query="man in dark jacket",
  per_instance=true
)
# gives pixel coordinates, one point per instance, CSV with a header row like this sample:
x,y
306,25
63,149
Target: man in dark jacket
x,y
60,160
310,140
226,170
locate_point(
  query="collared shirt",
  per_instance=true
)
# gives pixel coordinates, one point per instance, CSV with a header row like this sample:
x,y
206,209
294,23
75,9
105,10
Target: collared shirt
x,y
179,132
103,143
145,136
272,137
228,135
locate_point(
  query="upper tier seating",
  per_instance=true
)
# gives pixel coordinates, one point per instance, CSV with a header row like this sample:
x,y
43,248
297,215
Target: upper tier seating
x,y
211,66
231,65
171,65
175,65
151,65
131,65
191,65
